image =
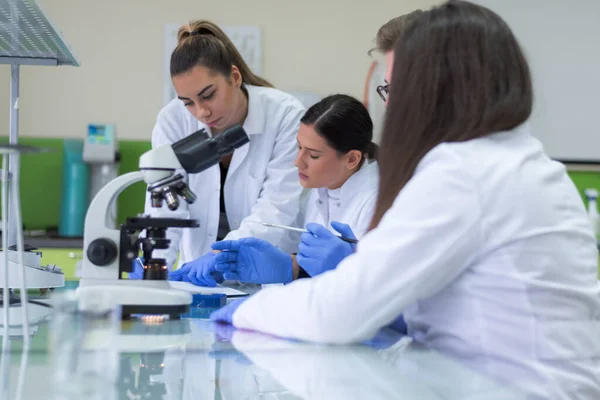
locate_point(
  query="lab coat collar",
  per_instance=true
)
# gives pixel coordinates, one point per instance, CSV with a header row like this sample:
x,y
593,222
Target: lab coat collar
x,y
256,119
362,180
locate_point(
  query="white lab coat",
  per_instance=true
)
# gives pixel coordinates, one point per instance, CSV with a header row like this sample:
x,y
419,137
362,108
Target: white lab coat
x,y
356,203
261,185
489,253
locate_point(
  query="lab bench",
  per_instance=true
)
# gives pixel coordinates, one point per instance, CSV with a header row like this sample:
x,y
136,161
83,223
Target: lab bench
x,y
194,358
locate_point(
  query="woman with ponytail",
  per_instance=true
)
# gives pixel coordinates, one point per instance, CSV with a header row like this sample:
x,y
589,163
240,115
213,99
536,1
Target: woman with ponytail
x,y
216,90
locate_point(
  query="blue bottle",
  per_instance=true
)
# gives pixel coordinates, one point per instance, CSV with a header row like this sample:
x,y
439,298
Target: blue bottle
x,y
75,190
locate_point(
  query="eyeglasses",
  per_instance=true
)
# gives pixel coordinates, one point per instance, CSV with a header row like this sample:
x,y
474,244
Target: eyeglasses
x,y
383,91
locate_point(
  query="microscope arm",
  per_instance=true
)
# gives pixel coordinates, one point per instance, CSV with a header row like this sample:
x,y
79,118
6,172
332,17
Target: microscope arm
x,y
95,217
96,223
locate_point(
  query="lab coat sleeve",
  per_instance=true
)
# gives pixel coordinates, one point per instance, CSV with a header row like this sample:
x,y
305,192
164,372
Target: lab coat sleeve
x,y
427,238
279,197
167,130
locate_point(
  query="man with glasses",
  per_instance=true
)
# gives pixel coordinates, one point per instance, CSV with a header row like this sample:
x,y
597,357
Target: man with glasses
x,y
384,43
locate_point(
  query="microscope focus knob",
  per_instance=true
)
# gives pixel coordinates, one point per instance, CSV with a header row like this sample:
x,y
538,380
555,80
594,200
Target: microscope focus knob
x,y
102,251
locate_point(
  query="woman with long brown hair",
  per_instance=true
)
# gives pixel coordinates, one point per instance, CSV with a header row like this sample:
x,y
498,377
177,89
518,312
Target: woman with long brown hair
x,y
478,237
216,90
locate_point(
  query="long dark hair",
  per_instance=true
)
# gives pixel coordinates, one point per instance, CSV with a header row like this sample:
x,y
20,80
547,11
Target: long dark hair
x,y
344,123
204,43
459,74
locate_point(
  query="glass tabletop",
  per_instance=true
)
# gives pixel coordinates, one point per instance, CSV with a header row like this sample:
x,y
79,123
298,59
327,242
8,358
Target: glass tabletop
x,y
193,358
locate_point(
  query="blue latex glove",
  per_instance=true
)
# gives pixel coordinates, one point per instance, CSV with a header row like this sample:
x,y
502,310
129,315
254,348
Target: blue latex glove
x,y
384,338
200,272
252,260
224,315
138,269
223,333
388,335
399,325
320,250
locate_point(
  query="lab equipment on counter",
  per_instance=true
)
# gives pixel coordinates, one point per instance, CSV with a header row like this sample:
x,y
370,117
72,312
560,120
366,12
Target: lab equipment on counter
x,y
17,266
291,228
205,304
75,189
36,275
108,252
100,154
27,37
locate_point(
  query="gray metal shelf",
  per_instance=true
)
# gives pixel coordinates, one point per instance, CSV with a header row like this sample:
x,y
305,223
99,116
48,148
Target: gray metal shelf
x,y
27,37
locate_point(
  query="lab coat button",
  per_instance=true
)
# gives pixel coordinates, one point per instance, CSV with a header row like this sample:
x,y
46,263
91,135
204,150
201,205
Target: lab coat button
x,y
320,201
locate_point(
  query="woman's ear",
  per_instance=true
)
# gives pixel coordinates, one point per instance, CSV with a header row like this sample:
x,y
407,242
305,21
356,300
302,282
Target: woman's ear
x,y
354,157
236,76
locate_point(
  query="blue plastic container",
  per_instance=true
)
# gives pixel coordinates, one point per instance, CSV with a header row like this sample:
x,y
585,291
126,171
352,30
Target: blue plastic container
x,y
75,190
205,304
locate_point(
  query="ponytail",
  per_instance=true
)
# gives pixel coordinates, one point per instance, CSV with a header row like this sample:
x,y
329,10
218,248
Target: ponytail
x,y
372,151
204,43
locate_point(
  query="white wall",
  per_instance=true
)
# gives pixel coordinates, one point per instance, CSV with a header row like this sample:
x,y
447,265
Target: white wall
x,y
561,40
313,45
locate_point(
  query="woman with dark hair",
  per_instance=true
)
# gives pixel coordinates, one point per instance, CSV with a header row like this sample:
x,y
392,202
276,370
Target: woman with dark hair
x,y
478,237
336,161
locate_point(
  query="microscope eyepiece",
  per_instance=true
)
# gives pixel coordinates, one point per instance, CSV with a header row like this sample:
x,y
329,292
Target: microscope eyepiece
x,y
196,153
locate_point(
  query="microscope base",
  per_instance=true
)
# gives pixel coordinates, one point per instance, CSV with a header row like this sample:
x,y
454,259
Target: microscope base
x,y
137,296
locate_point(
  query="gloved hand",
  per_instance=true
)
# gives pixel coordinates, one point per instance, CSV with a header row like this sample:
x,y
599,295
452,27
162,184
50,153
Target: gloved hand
x,y
138,269
252,260
399,325
388,335
224,315
200,272
320,250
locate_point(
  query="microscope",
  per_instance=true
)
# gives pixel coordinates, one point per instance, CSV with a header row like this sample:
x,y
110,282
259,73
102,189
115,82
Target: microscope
x,y
109,252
